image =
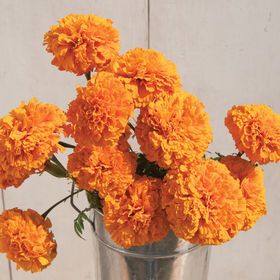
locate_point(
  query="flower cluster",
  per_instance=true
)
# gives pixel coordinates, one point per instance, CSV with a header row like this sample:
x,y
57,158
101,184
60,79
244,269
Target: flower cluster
x,y
136,218
252,186
147,74
100,113
81,43
169,185
29,135
204,203
256,131
174,130
107,170
26,239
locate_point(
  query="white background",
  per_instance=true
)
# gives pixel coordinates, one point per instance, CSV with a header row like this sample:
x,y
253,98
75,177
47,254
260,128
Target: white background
x,y
227,51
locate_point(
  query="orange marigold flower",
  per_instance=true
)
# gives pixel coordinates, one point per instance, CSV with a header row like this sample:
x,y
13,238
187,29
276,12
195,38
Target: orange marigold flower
x,y
136,218
26,239
81,43
100,112
174,130
252,186
29,135
153,75
256,131
104,169
204,203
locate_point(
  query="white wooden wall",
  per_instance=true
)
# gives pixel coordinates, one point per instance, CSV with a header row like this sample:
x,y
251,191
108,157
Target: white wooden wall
x,y
227,51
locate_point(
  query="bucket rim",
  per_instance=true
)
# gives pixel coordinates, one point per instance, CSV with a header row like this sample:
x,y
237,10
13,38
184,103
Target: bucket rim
x,y
128,253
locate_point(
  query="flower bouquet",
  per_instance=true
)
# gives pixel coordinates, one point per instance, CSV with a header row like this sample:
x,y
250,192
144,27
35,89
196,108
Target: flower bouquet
x,y
172,189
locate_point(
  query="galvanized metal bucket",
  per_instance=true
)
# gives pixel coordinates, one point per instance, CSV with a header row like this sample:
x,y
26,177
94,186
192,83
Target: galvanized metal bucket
x,y
170,259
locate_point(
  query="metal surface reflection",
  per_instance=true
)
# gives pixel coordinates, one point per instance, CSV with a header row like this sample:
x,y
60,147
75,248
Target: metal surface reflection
x,y
172,258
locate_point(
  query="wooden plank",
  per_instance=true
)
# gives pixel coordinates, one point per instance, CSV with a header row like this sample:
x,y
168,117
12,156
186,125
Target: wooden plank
x,y
26,72
130,17
5,267
228,53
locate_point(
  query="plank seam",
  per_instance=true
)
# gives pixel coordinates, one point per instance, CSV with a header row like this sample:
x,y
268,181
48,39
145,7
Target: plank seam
x,y
3,200
4,208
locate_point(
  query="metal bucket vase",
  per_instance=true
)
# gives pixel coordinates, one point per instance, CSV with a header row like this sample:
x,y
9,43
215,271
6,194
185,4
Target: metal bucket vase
x,y
170,259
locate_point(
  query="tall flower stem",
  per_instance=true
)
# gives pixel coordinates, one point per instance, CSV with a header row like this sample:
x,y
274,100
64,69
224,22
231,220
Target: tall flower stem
x,y
77,209
45,214
72,199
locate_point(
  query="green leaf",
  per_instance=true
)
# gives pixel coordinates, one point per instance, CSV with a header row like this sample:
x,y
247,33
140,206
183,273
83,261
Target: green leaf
x,y
78,230
55,170
66,145
94,199
216,158
150,169
79,223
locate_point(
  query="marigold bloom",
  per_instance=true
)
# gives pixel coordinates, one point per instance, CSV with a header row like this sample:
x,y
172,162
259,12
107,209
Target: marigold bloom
x,y
29,135
104,169
26,239
136,218
81,43
204,203
147,74
174,130
100,112
256,131
252,186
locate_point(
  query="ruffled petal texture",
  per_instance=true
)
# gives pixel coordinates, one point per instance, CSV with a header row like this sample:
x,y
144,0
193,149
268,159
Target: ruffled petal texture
x,y
252,186
204,204
107,170
82,43
100,113
174,130
256,131
29,135
147,74
26,239
136,218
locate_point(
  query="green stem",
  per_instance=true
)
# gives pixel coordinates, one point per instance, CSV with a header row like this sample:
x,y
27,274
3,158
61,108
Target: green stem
x,y
88,75
131,126
219,155
77,209
66,145
45,214
72,199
